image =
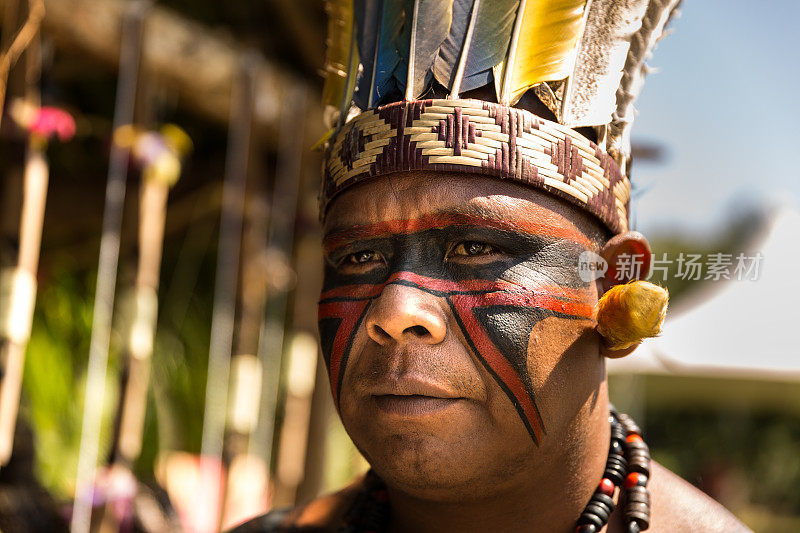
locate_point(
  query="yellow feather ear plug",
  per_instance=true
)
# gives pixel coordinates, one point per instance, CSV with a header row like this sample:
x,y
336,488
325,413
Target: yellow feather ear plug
x,y
629,313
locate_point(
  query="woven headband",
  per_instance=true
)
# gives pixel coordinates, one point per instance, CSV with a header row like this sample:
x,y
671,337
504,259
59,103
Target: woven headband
x,y
477,137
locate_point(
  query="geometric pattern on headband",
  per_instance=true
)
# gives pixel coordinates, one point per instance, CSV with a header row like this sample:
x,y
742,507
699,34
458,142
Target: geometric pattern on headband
x,y
473,136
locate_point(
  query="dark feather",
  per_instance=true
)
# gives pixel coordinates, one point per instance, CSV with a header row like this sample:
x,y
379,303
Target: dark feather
x,y
489,45
366,14
432,28
379,25
393,50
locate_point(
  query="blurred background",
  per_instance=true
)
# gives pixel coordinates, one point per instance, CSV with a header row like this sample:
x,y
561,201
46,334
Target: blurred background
x,y
171,269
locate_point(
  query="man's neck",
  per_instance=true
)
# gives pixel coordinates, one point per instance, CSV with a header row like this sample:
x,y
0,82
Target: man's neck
x,y
547,498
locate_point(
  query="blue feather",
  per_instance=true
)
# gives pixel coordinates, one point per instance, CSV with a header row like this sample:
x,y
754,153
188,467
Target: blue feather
x,y
379,29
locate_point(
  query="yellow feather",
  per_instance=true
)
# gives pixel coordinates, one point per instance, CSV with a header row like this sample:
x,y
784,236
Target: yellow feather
x,y
545,45
340,30
629,313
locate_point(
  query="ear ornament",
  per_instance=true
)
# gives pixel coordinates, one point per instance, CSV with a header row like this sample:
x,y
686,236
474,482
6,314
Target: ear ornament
x,y
629,313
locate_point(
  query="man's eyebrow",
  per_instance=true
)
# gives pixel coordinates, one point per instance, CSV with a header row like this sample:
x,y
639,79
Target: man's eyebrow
x,y
339,236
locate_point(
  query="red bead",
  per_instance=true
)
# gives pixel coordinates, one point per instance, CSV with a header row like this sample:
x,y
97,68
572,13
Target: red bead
x,y
633,437
606,487
632,480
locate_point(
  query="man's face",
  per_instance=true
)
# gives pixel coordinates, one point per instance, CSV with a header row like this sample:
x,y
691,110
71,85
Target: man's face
x,y
457,332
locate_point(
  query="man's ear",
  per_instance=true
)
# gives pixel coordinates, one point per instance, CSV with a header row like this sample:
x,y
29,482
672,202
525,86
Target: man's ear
x,y
628,257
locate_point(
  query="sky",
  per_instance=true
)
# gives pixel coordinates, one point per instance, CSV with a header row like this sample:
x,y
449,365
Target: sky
x,y
723,106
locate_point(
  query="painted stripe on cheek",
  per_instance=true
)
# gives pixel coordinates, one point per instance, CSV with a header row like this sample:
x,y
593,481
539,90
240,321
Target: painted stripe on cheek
x,y
351,314
497,365
350,303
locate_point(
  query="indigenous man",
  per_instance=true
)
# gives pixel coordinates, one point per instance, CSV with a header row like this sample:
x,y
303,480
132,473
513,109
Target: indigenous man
x,y
478,157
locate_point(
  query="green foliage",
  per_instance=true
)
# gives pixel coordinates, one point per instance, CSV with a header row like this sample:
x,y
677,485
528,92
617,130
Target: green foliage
x,y
56,366
757,456
54,381
180,361
180,353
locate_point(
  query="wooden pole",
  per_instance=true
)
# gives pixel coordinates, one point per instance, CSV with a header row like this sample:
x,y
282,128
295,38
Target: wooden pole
x,y
16,326
245,490
152,215
309,269
210,493
107,270
22,283
300,382
280,245
139,349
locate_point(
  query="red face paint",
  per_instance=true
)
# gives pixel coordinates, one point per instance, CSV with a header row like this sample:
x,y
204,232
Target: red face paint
x,y
496,300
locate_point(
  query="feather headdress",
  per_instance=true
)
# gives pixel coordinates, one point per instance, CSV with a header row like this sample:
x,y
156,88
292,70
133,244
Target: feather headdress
x,y
583,59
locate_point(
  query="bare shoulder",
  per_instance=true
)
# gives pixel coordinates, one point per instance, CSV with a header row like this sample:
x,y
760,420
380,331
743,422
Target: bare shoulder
x,y
677,506
324,514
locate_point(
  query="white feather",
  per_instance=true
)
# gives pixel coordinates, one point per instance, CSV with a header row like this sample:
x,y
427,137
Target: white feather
x,y
658,14
598,69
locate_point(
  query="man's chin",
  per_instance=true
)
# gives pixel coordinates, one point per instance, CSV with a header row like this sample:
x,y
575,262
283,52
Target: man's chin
x,y
436,450
424,467
432,467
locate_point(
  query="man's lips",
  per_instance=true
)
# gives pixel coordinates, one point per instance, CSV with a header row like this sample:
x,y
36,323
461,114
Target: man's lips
x,y
410,385
412,396
412,404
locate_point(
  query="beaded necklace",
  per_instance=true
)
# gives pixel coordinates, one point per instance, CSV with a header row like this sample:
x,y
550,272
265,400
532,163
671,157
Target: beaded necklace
x,y
627,467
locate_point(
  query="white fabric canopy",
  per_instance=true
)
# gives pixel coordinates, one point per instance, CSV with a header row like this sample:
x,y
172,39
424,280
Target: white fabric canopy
x,y
737,328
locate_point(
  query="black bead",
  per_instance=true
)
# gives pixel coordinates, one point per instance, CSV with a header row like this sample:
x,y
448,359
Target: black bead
x,y
640,467
629,425
642,520
633,527
616,468
603,499
636,508
637,494
616,447
591,518
599,511
603,504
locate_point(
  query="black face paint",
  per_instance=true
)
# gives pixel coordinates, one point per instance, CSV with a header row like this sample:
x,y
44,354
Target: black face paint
x,y
496,299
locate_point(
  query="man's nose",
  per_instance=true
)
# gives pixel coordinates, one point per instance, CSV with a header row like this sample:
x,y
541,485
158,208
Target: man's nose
x,y
405,314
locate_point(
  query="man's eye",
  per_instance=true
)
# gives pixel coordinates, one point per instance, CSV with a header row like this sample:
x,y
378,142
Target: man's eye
x,y
473,249
360,258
